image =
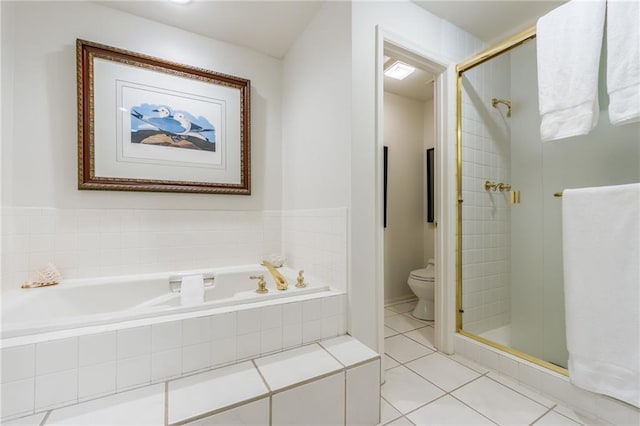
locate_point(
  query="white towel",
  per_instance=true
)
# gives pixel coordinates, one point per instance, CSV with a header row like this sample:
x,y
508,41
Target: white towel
x,y
601,250
192,290
569,41
623,61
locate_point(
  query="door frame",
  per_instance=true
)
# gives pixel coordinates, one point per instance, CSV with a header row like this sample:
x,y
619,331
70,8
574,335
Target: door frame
x,y
445,181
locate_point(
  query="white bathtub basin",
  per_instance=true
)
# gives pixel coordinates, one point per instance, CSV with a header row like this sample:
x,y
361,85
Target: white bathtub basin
x,y
81,303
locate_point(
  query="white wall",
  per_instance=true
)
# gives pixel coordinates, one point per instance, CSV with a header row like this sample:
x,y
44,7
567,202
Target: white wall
x,y
316,120
431,34
429,234
39,154
315,145
88,233
404,244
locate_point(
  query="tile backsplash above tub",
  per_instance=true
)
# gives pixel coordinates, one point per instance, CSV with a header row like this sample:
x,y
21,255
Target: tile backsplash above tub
x,y
86,243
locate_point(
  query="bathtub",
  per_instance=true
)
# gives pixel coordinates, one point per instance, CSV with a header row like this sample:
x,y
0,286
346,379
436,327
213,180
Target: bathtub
x,y
78,303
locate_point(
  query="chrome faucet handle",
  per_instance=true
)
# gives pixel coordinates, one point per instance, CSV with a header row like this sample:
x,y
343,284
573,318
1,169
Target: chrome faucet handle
x,y
300,280
262,284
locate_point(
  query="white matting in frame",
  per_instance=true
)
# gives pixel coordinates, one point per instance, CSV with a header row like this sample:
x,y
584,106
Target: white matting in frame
x,y
115,118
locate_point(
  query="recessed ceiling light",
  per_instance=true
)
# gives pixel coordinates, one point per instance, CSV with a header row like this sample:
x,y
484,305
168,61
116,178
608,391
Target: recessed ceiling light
x,y
180,1
399,70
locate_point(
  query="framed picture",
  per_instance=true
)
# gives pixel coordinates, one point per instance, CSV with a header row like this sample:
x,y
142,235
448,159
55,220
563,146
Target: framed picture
x,y
146,124
430,184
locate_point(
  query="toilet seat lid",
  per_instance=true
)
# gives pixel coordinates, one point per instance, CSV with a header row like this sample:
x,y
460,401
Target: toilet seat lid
x,y
426,274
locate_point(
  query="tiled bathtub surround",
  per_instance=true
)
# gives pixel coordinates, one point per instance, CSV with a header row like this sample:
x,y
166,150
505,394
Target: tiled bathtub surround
x,y
63,371
316,240
334,382
88,243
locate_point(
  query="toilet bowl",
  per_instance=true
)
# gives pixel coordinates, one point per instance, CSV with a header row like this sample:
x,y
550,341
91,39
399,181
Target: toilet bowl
x,y
421,282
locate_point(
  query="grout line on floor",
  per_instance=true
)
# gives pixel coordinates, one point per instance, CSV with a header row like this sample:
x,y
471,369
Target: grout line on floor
x,y
567,417
443,390
395,418
413,299
433,348
407,419
543,414
470,407
518,392
452,390
46,417
484,372
399,332
393,359
408,331
470,368
425,404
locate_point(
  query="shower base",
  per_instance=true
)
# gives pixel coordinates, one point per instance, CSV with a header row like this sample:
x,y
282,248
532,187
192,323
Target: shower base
x,y
501,335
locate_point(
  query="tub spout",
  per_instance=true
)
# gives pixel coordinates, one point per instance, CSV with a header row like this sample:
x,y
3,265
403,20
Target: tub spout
x,y
281,282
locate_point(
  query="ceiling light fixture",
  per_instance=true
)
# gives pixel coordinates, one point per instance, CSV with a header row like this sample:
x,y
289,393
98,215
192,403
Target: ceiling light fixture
x,y
399,70
180,1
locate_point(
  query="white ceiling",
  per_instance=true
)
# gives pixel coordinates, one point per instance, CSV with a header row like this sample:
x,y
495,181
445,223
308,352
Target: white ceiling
x,y
272,27
490,21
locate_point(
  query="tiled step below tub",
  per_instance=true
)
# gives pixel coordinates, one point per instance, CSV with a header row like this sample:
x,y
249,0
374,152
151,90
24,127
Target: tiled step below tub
x,y
333,382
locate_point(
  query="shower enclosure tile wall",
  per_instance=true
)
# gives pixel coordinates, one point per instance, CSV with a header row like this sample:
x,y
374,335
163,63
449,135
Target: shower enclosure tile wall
x,y
485,156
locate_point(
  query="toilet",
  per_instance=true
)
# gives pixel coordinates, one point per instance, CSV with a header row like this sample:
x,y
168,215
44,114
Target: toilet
x,y
421,282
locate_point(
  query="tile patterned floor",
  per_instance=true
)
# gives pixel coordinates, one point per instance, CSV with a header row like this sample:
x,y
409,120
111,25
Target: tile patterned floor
x,y
426,387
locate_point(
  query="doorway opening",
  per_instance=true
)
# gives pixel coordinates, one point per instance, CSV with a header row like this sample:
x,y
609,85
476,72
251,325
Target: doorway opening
x,y
413,117
409,232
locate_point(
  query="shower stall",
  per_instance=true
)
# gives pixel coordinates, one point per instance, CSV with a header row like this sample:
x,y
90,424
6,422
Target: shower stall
x,y
509,260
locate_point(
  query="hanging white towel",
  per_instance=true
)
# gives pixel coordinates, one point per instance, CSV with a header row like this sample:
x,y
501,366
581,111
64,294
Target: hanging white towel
x,y
601,250
192,290
623,60
569,41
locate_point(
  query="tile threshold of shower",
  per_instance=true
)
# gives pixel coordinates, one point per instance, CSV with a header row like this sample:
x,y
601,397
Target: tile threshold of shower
x,y
426,387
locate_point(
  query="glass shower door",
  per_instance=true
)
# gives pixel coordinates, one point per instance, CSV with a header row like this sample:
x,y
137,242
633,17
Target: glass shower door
x,y
512,270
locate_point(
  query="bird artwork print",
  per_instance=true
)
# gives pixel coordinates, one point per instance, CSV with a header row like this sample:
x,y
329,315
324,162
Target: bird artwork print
x,y
159,125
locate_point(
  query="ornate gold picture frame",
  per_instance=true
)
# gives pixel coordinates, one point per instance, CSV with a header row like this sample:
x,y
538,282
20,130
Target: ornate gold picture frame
x,y
146,124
